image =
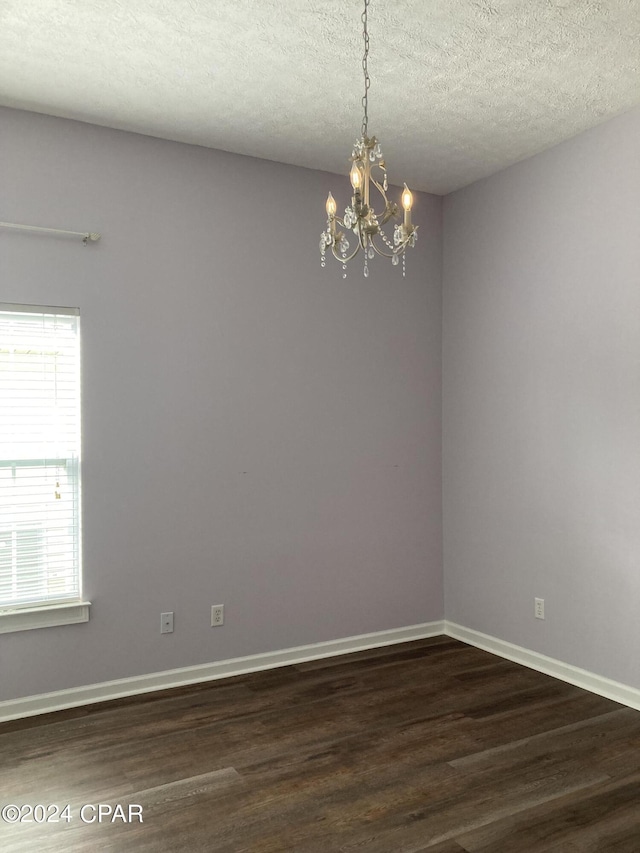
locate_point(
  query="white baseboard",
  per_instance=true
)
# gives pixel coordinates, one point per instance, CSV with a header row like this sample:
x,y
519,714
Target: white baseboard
x,y
45,703
75,697
615,690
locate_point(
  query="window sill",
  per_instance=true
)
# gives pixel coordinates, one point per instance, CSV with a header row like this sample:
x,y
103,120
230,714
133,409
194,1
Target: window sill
x,y
47,616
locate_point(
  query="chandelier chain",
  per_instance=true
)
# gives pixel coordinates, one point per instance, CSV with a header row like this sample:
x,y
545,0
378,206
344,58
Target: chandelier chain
x,y
367,81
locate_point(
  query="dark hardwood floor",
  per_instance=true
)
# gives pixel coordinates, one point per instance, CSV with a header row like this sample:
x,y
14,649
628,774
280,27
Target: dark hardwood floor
x,y
429,746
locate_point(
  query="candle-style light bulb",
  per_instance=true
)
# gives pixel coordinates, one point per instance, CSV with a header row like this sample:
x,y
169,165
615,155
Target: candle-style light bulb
x,y
331,206
407,198
356,177
407,201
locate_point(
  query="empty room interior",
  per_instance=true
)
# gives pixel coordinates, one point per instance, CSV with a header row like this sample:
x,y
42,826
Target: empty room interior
x,y
320,546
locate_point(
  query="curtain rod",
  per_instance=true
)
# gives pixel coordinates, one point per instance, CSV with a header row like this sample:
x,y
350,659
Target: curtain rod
x,y
87,236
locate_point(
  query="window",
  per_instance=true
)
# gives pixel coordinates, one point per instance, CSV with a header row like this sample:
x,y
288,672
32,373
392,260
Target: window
x,y
39,467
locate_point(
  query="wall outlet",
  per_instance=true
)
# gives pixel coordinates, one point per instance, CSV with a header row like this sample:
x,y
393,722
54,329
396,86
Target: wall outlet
x,y
538,608
217,615
166,623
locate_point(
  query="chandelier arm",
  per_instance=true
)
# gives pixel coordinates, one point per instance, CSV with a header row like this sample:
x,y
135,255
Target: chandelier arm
x,y
345,259
378,251
390,208
379,188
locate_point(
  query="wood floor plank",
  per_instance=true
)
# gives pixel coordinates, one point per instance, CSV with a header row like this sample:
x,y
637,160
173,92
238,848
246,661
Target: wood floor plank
x,y
589,740
603,819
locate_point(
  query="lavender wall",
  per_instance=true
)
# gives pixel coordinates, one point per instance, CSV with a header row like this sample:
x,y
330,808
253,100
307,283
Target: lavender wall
x,y
257,431
542,401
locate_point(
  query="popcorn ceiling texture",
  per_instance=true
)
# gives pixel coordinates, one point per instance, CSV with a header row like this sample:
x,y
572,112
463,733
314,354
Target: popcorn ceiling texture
x,y
460,88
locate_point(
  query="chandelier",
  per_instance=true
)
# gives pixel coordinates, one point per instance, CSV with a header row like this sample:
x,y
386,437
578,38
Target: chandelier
x,y
360,217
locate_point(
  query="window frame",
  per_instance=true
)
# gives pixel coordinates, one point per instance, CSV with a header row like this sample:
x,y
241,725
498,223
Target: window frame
x,y
49,612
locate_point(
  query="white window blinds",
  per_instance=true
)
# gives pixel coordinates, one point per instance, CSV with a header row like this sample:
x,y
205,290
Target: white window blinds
x,y
39,455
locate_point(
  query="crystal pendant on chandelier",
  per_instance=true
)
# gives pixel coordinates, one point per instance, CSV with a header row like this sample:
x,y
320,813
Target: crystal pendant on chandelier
x,y
368,168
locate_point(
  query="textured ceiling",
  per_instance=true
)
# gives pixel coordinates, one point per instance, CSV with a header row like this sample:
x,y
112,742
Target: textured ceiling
x,y
460,88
